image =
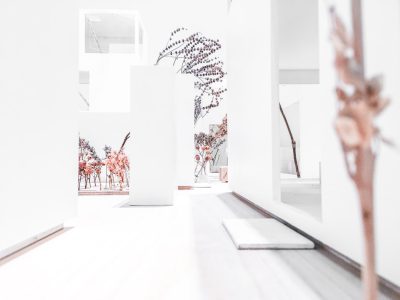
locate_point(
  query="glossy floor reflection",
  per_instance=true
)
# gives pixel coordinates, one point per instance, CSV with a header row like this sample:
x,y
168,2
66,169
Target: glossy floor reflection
x,y
174,252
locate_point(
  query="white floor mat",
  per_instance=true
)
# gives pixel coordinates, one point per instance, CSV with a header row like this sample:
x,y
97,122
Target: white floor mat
x,y
264,233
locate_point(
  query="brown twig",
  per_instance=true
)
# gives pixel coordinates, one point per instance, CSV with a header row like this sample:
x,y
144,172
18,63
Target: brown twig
x,y
293,141
365,162
124,142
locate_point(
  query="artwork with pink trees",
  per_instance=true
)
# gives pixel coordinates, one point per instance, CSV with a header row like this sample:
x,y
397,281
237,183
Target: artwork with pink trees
x,y
91,167
206,146
117,164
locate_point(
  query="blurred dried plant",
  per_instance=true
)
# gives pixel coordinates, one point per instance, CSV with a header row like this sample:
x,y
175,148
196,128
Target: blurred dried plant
x,y
359,103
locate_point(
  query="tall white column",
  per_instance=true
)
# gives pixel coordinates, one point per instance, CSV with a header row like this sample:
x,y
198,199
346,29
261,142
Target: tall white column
x,y
184,125
153,144
253,100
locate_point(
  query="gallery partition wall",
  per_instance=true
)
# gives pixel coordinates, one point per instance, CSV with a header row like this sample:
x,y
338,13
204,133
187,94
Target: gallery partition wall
x,y
254,135
38,119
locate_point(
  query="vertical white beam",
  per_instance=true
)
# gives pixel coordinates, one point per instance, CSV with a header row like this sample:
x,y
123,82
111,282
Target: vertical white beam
x,y
38,118
184,94
253,101
153,144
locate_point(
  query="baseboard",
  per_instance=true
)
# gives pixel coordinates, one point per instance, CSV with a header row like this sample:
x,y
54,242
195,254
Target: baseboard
x,y
385,285
184,187
103,193
21,245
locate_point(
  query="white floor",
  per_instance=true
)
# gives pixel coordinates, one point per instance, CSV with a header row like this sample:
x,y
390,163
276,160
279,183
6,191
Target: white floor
x,y
177,252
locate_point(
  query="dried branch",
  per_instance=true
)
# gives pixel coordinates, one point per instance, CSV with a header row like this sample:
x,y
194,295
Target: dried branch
x,y
357,109
124,142
292,140
197,56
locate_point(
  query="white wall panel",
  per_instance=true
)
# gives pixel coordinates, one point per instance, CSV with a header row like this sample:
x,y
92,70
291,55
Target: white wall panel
x,y
253,101
298,36
183,105
38,117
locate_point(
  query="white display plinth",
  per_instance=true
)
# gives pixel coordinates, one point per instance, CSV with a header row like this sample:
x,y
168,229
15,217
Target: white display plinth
x,y
153,145
264,233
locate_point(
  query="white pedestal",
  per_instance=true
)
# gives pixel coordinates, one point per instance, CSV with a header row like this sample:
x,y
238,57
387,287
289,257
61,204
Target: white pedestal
x,y
153,144
264,233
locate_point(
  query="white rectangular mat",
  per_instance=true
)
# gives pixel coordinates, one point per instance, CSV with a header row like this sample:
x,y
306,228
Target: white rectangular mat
x,y
264,233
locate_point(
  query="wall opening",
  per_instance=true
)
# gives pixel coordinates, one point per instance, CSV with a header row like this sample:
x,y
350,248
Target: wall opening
x,y
299,132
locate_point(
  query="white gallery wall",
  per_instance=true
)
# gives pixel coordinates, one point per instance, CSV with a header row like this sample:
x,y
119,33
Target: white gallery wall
x,y
297,28
38,117
251,153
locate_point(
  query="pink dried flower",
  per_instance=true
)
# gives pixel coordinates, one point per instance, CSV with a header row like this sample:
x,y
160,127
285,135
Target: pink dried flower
x,y
348,132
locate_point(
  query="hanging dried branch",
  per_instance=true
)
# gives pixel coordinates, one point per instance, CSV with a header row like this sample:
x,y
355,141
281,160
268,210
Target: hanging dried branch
x,y
359,102
196,55
296,164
